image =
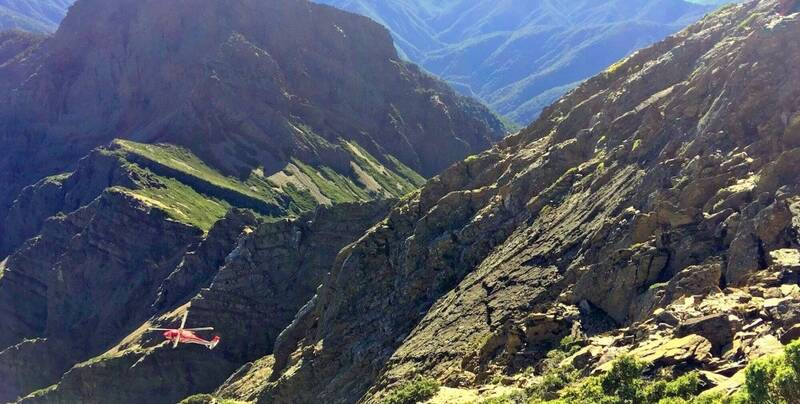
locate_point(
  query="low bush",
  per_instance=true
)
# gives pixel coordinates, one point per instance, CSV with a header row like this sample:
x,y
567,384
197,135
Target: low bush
x,y
414,391
774,379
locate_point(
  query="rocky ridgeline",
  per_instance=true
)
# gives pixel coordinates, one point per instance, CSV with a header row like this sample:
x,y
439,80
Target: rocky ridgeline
x,y
653,210
247,86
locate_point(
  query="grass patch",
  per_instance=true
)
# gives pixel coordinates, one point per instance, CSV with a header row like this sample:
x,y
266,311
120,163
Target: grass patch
x,y
182,203
749,20
518,397
418,390
396,182
57,179
208,399
188,190
616,66
411,176
44,391
185,162
333,185
178,200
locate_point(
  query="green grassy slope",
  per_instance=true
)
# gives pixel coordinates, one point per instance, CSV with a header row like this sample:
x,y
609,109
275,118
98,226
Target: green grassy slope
x,y
188,190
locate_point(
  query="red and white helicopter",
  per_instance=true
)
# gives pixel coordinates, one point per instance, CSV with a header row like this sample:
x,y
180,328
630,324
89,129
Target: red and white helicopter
x,y
187,335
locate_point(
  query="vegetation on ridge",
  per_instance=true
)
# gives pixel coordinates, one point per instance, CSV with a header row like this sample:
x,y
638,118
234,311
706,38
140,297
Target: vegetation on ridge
x,y
175,180
771,379
414,391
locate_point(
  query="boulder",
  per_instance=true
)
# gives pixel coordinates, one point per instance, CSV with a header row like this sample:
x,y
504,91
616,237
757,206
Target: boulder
x,y
695,280
614,284
716,328
791,334
674,351
784,311
546,328
785,258
743,257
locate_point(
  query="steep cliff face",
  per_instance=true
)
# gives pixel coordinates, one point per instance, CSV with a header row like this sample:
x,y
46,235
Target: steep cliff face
x,y
247,86
618,216
68,293
266,274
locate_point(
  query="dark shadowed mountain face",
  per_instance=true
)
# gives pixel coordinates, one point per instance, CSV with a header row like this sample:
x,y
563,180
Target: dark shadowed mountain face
x,y
32,15
521,55
285,93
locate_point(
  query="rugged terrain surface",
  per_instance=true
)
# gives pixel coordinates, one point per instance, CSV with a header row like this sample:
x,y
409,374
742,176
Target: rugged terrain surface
x,y
245,278
248,98
520,56
654,210
149,144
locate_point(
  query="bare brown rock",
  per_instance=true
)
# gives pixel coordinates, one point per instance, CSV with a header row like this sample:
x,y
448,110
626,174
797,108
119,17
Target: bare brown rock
x,y
557,207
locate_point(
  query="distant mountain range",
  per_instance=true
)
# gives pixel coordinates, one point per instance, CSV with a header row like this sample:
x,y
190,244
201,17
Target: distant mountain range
x,y
521,55
517,56
32,15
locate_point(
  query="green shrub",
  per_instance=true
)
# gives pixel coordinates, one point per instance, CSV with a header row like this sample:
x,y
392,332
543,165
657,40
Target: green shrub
x,y
624,383
785,383
511,398
590,391
570,344
673,400
553,381
792,352
773,379
199,399
414,391
758,376
624,380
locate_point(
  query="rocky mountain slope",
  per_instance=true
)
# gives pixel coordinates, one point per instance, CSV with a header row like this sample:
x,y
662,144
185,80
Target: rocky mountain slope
x,y
253,101
33,15
246,278
147,144
521,56
653,211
